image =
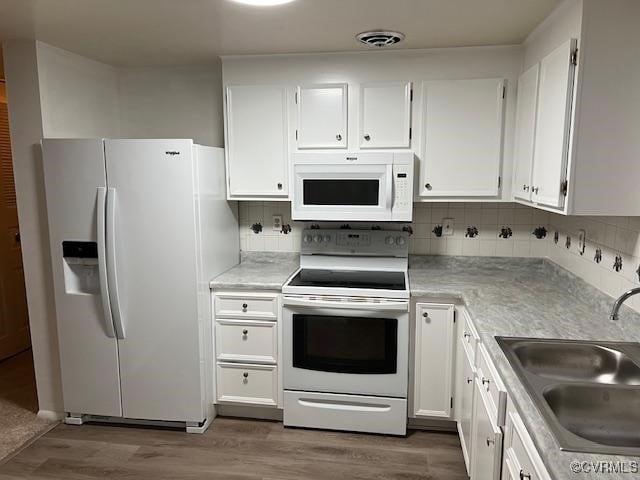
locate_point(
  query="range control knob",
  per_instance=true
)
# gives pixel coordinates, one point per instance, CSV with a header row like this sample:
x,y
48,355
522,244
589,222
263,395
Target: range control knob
x,y
317,238
327,238
389,240
400,241
307,239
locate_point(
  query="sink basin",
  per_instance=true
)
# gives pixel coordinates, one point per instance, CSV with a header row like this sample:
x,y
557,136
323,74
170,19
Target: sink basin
x,y
577,361
588,392
603,414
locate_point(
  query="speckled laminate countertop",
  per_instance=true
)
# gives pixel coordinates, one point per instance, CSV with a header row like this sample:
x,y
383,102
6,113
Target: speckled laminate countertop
x,y
258,271
527,298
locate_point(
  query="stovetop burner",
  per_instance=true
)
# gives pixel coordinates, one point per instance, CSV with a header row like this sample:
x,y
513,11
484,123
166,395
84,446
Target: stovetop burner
x,y
378,280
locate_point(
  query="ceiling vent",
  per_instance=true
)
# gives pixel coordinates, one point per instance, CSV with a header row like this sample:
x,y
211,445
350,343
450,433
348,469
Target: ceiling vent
x,y
380,38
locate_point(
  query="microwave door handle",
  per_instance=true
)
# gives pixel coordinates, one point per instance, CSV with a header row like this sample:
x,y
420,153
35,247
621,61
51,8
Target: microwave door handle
x,y
102,262
399,306
389,188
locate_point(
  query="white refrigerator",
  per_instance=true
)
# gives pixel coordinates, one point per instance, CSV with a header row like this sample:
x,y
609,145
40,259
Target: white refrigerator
x,y
137,230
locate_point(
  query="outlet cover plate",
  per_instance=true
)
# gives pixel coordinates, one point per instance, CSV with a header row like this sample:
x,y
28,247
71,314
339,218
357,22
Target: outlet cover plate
x,y
277,223
447,226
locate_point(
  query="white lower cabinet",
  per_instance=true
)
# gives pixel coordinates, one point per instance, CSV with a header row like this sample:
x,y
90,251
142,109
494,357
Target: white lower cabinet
x,y
465,381
521,460
434,360
246,340
487,439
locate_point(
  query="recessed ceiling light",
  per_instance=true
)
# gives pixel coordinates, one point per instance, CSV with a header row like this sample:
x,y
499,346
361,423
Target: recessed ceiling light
x,y
263,3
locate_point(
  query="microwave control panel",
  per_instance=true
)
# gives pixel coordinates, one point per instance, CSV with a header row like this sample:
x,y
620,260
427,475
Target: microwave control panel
x,y
402,192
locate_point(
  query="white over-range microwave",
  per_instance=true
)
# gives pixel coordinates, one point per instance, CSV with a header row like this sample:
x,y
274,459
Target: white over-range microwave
x,y
335,186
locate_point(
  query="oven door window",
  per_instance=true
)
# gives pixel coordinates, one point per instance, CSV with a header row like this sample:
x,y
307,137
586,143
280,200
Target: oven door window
x,y
324,191
360,345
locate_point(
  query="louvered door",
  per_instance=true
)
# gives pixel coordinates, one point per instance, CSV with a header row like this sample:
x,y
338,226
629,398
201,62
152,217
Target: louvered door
x,y
14,325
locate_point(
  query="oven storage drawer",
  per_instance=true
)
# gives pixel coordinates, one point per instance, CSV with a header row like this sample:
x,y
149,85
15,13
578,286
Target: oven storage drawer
x,y
247,305
247,384
249,341
345,412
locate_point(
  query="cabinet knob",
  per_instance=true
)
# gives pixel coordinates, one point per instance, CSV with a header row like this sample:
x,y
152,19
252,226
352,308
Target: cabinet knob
x,y
245,332
490,441
279,186
428,186
486,381
534,190
367,137
466,335
469,380
338,137
244,307
245,374
524,476
425,314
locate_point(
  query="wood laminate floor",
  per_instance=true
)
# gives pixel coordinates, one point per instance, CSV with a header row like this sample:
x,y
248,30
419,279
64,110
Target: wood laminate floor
x,y
235,449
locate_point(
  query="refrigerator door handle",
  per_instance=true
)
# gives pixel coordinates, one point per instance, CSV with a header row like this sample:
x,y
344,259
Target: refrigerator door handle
x,y
112,276
102,263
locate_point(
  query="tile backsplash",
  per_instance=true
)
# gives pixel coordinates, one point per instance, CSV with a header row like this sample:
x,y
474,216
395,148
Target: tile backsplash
x,y
610,236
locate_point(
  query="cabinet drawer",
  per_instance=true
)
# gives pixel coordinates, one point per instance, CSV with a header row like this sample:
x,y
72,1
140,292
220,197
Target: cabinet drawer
x,y
248,341
468,334
491,383
248,383
521,457
247,305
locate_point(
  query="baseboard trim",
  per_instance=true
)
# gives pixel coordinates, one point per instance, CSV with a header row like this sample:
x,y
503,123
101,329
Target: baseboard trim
x,y
50,415
245,411
432,425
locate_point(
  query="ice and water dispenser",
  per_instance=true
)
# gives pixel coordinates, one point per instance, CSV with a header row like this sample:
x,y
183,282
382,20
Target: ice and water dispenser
x,y
81,274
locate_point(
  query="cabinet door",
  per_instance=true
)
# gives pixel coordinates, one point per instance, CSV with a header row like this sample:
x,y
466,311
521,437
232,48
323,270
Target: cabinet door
x,y
487,441
461,138
553,121
322,116
525,132
433,371
385,115
464,401
257,141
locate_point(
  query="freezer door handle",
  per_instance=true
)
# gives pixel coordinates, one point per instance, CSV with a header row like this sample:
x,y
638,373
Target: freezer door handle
x,y
102,263
112,275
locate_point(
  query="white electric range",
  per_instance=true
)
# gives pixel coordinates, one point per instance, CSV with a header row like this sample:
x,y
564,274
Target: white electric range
x,y
346,332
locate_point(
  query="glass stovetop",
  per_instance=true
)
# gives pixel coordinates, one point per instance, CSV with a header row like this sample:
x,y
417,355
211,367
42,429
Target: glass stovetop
x,y
349,279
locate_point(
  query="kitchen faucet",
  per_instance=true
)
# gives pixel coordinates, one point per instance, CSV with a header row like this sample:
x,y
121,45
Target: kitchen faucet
x,y
618,303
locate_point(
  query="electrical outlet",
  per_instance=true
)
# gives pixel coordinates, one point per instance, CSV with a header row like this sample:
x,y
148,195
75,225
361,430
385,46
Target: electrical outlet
x,y
277,223
447,227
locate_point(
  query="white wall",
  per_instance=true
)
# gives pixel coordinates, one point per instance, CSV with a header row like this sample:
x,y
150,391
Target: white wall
x,y
79,97
172,103
26,124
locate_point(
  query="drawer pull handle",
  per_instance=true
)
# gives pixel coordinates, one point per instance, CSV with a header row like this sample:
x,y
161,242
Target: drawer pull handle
x,y
524,476
490,442
245,332
244,307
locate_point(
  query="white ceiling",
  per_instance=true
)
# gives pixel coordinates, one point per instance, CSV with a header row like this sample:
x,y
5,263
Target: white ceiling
x,y
172,32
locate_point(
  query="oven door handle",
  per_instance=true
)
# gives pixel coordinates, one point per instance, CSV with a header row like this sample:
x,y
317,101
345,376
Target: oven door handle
x,y
399,306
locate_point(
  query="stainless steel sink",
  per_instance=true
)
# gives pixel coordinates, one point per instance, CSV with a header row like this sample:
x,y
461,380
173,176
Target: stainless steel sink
x,y
577,361
588,392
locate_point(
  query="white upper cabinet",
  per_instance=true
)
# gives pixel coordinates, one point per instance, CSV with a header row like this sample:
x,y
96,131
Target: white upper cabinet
x,y
385,115
525,132
257,142
322,116
461,138
552,126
